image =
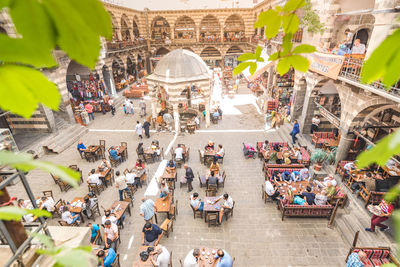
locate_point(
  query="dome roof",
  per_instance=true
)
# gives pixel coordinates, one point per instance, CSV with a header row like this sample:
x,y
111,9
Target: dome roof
x,y
180,65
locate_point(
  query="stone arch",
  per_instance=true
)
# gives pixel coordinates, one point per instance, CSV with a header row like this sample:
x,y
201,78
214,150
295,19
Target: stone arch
x,y
107,77
185,28
377,110
190,49
210,51
135,27
118,69
234,28
160,28
125,29
131,65
210,28
116,27
162,51
234,50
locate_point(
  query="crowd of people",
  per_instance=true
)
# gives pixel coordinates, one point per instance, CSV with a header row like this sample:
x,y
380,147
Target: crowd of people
x,y
346,47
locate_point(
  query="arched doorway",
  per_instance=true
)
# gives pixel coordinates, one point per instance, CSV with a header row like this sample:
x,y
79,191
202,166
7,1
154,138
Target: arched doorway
x,y
210,30
160,29
126,35
362,34
135,29
231,56
211,56
131,69
141,66
119,74
185,28
162,51
234,29
115,26
108,80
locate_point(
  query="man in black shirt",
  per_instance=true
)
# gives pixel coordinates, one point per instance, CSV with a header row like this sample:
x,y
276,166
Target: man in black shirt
x,y
189,177
309,196
151,234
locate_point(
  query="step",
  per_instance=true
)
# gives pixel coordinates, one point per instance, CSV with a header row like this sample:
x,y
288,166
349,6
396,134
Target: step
x,y
71,140
66,134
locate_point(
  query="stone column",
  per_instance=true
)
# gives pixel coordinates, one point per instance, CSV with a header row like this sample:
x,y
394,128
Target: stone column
x,y
307,112
111,78
207,113
222,34
198,33
345,143
299,89
154,107
172,33
176,117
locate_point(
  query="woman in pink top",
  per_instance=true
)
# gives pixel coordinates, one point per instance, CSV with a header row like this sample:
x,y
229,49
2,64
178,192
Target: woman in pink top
x,y
89,110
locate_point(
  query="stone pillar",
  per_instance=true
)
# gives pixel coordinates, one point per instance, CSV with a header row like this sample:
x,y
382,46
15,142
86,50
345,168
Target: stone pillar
x,y
176,117
345,143
299,90
198,34
207,113
154,107
307,112
270,78
111,79
222,34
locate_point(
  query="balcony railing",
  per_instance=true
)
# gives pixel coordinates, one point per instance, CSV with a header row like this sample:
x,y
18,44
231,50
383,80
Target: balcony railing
x,y
351,69
297,37
122,45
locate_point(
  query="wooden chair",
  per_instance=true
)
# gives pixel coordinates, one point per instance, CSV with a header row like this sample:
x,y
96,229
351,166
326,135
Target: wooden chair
x,y
75,168
179,162
82,154
229,212
201,157
96,188
212,219
170,259
221,160
370,197
211,193
196,212
95,211
148,158
48,193
103,146
167,226
63,223
116,261
201,184
57,208
187,156
212,187
265,196
173,211
125,144
128,197
64,187
114,162
222,184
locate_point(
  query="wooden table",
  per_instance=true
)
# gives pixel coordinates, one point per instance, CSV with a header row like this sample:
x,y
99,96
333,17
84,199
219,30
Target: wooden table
x,y
105,176
170,177
139,263
279,155
331,143
207,259
300,186
163,206
77,209
122,151
211,208
208,154
123,206
388,171
90,152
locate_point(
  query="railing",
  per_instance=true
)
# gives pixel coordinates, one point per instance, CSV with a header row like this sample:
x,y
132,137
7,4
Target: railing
x,y
122,45
351,69
297,37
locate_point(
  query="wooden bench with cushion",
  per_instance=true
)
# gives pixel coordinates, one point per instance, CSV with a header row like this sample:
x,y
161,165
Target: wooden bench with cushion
x,y
136,91
291,210
319,138
282,166
370,197
270,171
340,197
305,156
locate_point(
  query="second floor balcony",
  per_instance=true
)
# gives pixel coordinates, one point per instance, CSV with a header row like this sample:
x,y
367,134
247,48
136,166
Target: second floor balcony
x,y
116,46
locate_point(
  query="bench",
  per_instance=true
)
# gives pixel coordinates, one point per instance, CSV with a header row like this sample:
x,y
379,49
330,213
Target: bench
x,y
340,197
305,156
319,138
282,166
136,91
270,171
167,226
370,197
291,210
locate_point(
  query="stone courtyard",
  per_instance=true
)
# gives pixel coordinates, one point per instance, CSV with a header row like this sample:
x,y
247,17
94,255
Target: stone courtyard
x,y
255,235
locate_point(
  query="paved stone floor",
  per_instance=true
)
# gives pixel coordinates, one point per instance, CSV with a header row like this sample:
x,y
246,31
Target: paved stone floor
x,y
255,235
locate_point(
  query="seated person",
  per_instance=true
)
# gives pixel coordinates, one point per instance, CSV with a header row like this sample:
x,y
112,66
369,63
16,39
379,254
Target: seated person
x,y
69,217
277,147
195,202
212,179
219,110
164,190
285,176
139,165
111,234
308,195
299,201
81,147
271,190
265,145
26,204
330,190
106,257
95,229
304,174
179,153
115,155
295,176
328,179
105,164
358,47
140,150
220,152
151,234
321,198
214,167
192,259
276,176
162,255
155,147
286,158
215,114
226,206
367,180
223,259
209,146
357,259
108,216
349,167
47,203
171,166
94,178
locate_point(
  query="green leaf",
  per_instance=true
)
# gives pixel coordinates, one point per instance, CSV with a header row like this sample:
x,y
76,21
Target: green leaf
x,y
283,66
393,73
299,63
382,152
246,56
253,68
74,257
293,5
260,59
44,239
241,67
38,36
271,20
257,54
40,213
74,35
377,66
4,3
287,44
393,193
23,88
11,213
274,56
304,48
290,23
25,162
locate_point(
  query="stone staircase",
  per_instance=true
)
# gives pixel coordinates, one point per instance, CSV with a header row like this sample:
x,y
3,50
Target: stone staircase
x,y
64,138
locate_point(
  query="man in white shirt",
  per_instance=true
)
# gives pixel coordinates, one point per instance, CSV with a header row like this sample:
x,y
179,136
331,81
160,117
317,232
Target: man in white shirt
x,y
127,105
226,206
94,178
220,152
270,190
197,121
358,47
179,153
47,204
108,217
69,217
162,258
120,183
315,123
130,177
349,167
105,164
327,180
110,234
192,259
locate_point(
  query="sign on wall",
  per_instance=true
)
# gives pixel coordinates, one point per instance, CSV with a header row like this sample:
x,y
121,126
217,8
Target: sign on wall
x,y
326,64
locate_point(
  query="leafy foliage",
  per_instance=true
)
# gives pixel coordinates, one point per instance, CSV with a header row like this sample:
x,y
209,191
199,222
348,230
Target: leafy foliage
x,y
273,20
310,20
12,213
25,162
42,26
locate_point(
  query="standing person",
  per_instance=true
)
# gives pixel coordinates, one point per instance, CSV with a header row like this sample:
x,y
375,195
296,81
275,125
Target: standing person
x,y
189,177
146,127
376,220
95,233
111,103
89,110
139,129
147,210
131,107
315,123
349,38
142,106
127,105
120,183
110,234
295,131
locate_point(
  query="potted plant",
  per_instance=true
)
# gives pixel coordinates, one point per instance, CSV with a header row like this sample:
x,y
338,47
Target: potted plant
x,y
273,157
318,158
331,155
